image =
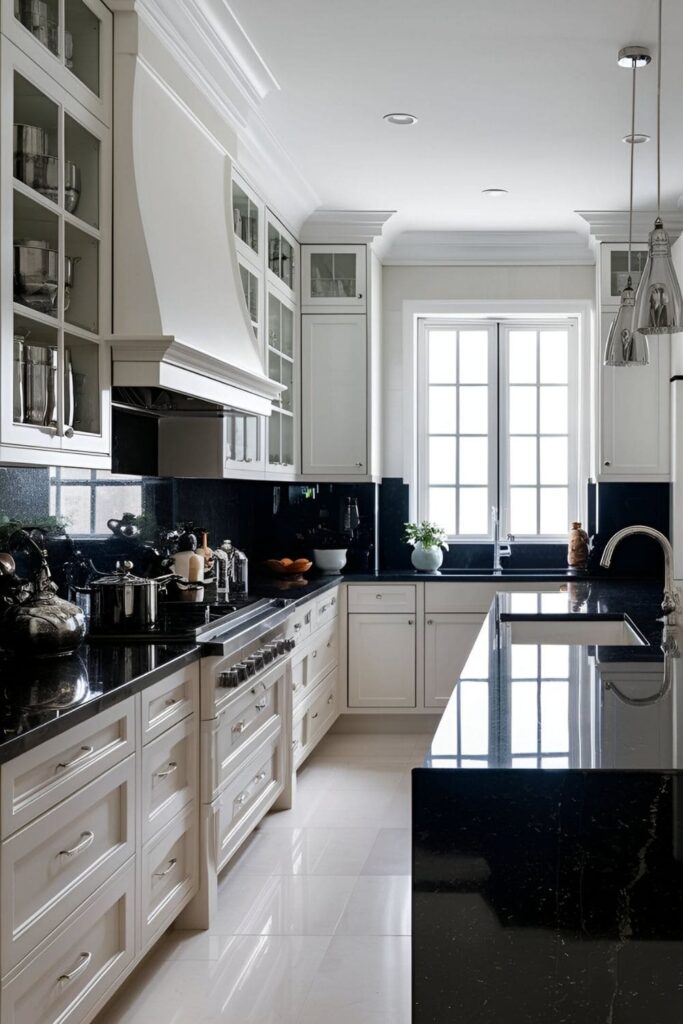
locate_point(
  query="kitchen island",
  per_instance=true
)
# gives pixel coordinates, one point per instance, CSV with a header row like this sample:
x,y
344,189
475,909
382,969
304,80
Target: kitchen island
x,y
548,820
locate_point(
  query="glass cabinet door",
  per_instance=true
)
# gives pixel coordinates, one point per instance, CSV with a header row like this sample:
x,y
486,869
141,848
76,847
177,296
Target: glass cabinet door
x,y
614,273
281,368
251,289
334,277
246,220
243,442
281,256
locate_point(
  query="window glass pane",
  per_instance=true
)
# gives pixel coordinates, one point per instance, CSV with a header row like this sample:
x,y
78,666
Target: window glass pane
x,y
442,508
474,357
442,460
555,603
442,357
474,511
553,406
474,410
442,410
523,510
554,515
523,410
525,762
555,662
477,666
522,355
554,762
520,604
523,460
75,507
474,466
112,502
554,354
524,661
554,717
524,718
474,707
553,460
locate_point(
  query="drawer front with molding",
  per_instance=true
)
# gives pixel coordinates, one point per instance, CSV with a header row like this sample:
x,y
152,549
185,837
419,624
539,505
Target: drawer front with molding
x,y
52,865
169,775
169,701
68,976
169,874
383,598
300,625
37,780
299,727
326,608
477,597
324,710
311,663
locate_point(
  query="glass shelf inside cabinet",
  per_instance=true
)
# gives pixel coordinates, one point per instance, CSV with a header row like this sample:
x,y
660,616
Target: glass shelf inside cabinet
x,y
81,385
82,44
619,269
41,18
245,217
34,389
334,275
36,256
35,157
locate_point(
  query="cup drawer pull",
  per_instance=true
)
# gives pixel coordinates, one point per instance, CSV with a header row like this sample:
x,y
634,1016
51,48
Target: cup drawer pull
x,y
315,715
330,699
260,777
239,726
172,767
261,704
242,798
170,701
86,840
85,959
167,871
86,751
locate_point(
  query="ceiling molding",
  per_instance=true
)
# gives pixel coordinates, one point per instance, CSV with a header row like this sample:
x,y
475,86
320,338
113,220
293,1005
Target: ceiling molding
x,y
612,225
340,226
489,248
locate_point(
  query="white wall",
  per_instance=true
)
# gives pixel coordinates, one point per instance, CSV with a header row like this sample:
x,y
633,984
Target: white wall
x,y
414,283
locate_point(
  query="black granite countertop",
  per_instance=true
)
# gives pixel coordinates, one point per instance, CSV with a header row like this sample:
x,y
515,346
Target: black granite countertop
x,y
467,575
523,701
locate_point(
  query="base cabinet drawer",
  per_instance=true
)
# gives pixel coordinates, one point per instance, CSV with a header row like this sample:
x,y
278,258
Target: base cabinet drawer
x,y
381,598
326,609
312,663
37,780
324,709
52,865
169,701
169,775
301,623
169,874
66,979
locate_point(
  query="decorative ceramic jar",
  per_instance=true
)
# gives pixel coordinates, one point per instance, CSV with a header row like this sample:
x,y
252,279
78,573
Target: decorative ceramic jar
x,y
426,559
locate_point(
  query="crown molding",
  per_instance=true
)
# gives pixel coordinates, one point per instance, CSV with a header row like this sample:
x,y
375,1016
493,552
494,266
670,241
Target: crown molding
x,y
489,248
612,225
345,226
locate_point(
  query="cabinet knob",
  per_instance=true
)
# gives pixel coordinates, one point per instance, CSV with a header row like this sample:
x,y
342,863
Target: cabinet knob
x,y
411,622
359,465
360,295
607,462
430,622
68,432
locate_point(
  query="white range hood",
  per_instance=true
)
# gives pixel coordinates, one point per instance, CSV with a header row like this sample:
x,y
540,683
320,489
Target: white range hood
x,y
180,319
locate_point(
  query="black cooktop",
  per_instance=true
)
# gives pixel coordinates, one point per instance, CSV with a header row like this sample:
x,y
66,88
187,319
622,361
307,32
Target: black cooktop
x,y
183,619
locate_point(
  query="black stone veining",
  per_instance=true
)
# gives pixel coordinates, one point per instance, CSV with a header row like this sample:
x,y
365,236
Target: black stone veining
x,y
555,893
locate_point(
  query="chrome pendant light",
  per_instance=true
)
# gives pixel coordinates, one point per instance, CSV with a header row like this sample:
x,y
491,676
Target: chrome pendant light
x,y
625,346
659,304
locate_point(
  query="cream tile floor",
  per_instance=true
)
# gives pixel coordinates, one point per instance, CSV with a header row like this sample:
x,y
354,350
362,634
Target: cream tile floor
x,y
313,923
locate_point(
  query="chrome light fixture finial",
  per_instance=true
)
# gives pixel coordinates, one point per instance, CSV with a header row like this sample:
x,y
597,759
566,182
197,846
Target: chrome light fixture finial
x,y
659,303
625,346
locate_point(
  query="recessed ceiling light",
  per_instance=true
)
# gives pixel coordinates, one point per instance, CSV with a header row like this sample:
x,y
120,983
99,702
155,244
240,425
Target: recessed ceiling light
x,y
494,193
636,139
628,55
401,119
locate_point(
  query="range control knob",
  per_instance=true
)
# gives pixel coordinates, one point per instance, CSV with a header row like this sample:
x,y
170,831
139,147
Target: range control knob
x,y
249,666
282,646
266,654
290,643
256,661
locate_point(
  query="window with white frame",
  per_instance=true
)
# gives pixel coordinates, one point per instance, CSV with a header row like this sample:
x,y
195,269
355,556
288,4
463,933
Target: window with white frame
x,y
498,426
88,498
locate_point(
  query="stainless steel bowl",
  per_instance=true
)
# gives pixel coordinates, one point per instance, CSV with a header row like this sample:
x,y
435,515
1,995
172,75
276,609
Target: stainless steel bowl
x,y
30,140
36,275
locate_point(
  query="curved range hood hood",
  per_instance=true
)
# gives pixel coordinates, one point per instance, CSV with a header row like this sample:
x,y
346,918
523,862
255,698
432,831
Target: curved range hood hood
x,y
180,318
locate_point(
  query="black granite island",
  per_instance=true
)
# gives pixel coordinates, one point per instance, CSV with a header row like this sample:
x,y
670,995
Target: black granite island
x,y
548,821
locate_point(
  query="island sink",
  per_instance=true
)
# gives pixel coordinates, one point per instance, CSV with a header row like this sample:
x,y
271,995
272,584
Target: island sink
x,y
556,629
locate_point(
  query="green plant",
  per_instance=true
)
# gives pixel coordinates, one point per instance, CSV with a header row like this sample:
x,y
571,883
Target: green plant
x,y
429,535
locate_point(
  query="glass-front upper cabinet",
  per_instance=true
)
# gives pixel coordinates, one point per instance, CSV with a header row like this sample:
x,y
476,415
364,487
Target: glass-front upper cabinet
x,y
251,286
247,220
244,444
333,277
72,40
281,257
614,270
55,181
283,368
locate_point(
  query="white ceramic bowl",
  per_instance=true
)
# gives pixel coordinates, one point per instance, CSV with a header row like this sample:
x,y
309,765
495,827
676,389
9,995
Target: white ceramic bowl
x,y
330,561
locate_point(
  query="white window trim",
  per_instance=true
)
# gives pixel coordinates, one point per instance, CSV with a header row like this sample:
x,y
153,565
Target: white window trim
x,y
477,311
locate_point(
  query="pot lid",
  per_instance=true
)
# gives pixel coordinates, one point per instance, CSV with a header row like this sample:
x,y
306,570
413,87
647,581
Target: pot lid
x,y
122,574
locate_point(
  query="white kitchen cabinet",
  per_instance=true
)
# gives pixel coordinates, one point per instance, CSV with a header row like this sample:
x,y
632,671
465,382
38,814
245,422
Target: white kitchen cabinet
x,y
282,355
281,257
645,734
449,639
614,270
333,278
62,323
247,221
381,660
334,396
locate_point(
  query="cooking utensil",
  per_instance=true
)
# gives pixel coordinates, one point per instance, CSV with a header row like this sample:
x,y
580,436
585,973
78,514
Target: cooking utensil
x,y
40,385
121,601
68,389
19,366
36,275
36,16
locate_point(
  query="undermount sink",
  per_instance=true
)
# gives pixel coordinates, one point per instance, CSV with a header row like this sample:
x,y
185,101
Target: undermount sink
x,y
583,632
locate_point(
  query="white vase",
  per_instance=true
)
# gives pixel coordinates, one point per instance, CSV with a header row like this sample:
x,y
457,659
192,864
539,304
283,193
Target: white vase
x,y
426,559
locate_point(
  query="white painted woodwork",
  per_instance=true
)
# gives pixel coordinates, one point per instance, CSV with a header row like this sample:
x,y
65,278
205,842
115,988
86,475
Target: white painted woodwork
x,y
381,597
300,625
169,775
477,597
334,375
382,651
169,701
645,732
340,303
448,642
326,608
312,661
36,781
169,872
323,710
68,976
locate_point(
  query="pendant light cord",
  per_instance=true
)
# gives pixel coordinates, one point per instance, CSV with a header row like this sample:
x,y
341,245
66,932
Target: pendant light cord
x,y
633,147
659,112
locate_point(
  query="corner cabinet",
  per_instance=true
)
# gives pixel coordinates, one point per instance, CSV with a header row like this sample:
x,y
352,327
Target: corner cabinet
x,y
55,261
333,278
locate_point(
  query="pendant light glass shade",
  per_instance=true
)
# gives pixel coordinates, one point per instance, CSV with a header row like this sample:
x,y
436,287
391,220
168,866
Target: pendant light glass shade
x,y
659,304
625,346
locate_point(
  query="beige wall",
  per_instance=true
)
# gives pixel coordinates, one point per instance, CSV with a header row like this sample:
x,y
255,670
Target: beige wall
x,y
464,283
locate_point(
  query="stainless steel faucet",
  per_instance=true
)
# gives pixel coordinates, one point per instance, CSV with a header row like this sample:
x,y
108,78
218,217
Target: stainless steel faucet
x,y
671,601
499,550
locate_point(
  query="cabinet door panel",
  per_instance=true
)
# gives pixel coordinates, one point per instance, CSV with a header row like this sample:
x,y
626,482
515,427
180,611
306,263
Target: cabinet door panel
x,y
381,661
334,369
449,640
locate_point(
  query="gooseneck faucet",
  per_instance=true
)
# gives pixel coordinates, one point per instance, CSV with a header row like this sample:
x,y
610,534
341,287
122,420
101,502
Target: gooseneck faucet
x,y
499,550
671,601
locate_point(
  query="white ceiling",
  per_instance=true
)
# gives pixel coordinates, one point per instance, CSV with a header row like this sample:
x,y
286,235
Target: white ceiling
x,y
519,94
